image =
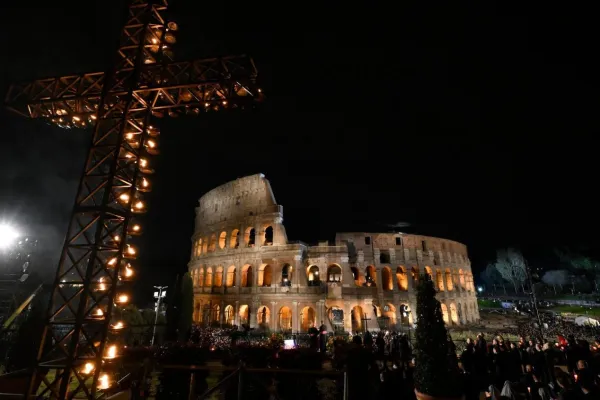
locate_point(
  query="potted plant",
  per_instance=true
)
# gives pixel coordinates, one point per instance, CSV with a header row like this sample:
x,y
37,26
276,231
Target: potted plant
x,y
436,374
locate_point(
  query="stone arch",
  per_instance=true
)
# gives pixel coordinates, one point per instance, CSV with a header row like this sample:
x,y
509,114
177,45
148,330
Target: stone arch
x,y
439,280
357,316
219,276
263,317
334,273
312,273
222,240
234,242
461,315
414,272
265,275
244,314
308,318
389,312
205,245
461,277
401,278
268,241
449,284
387,283
370,276
356,276
198,249
406,317
445,313
215,315
198,312
250,236
286,275
208,280
229,315
247,279
200,277
285,318
453,314
212,245
231,276
429,272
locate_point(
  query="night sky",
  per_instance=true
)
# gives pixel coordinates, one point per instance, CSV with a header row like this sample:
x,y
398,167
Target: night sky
x,y
471,123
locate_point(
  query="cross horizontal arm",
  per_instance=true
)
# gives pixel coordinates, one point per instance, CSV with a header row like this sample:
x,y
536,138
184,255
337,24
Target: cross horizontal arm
x,y
190,86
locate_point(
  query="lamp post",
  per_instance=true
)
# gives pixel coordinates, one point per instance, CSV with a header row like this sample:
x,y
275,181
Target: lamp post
x,y
159,295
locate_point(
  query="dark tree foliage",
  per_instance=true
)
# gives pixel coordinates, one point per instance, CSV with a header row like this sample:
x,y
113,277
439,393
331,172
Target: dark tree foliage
x,y
174,299
436,372
186,308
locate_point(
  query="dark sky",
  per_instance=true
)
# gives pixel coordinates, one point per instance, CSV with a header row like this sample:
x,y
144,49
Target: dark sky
x,y
473,123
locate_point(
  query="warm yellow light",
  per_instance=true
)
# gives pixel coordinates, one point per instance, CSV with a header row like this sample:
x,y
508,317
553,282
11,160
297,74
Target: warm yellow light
x,y
128,272
151,143
206,104
129,136
112,262
117,238
99,313
103,382
259,90
224,103
143,162
131,250
93,117
102,286
76,118
154,40
111,352
139,205
128,155
145,182
136,228
87,368
118,325
122,298
124,197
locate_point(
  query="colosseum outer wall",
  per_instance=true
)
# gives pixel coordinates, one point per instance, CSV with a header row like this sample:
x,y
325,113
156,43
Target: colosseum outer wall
x,y
245,271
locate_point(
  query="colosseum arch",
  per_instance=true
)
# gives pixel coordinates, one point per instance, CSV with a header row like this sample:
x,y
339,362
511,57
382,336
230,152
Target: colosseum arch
x,y
461,277
414,272
401,278
197,312
357,316
389,312
285,319
308,318
263,317
198,250
312,273
222,240
370,276
230,280
406,317
439,280
356,276
268,239
249,237
244,314
200,277
265,275
215,316
213,243
448,275
334,273
229,315
453,313
286,275
208,281
247,278
445,313
219,276
205,245
387,283
234,242
428,272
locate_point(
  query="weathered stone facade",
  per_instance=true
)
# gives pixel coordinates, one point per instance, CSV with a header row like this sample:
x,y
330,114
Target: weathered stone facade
x,y
245,270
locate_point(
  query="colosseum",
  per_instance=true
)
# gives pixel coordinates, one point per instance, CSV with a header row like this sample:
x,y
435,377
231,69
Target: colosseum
x,y
245,271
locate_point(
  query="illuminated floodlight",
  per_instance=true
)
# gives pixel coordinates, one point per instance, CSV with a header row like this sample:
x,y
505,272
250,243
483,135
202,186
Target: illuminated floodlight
x,y
479,289
8,236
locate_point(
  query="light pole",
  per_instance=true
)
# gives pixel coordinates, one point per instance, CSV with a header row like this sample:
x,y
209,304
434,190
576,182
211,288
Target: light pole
x,y
162,292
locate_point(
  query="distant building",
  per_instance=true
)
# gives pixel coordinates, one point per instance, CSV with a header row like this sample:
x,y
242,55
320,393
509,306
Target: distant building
x,y
246,272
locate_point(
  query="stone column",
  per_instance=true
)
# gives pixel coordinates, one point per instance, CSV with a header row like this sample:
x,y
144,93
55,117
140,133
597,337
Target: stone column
x,y
236,316
300,271
274,317
369,313
222,313
295,315
253,313
347,317
320,312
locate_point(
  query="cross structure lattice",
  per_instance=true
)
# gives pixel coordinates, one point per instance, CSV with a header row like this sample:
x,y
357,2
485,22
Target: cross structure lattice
x,y
81,344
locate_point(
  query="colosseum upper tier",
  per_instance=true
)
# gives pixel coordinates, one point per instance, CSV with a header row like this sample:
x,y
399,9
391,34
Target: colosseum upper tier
x,y
245,271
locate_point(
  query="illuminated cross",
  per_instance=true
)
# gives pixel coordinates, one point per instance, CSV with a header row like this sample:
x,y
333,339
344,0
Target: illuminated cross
x,y
97,260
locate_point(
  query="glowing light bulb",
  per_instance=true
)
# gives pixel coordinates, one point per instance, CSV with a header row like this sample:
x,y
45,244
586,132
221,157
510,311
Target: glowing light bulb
x,y
154,40
143,162
112,262
103,382
93,117
145,182
139,205
129,136
259,90
151,143
99,313
102,286
136,228
76,118
111,352
131,250
122,298
118,325
124,197
206,104
87,368
224,103
128,272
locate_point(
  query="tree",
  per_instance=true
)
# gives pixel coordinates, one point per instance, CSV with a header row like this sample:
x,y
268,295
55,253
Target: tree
x,y
186,309
581,264
436,370
511,265
492,277
556,277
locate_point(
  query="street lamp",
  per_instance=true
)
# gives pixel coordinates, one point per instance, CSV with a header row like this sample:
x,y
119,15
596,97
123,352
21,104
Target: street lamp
x,y
159,295
8,236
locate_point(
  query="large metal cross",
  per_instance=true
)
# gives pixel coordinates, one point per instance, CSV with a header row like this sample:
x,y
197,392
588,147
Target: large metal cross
x,y
81,341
